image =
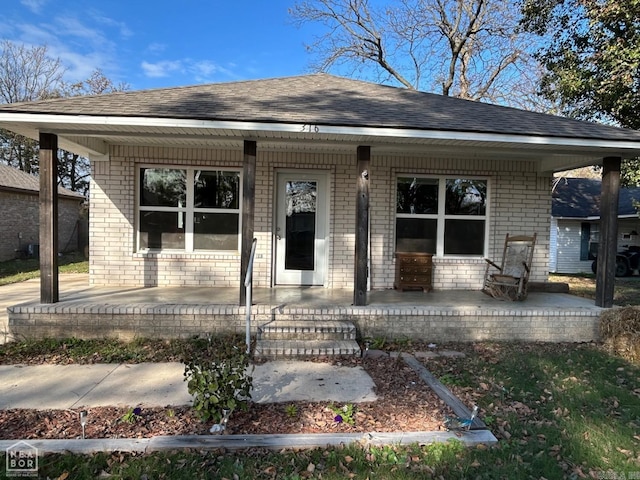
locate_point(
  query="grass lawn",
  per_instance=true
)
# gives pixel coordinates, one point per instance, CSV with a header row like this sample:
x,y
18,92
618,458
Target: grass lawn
x,y
626,290
559,411
19,270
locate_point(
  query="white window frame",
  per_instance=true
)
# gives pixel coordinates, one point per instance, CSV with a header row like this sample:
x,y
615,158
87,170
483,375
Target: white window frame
x,y
189,209
441,216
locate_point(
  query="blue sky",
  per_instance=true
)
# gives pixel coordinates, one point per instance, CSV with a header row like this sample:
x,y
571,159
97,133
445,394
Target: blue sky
x,y
160,43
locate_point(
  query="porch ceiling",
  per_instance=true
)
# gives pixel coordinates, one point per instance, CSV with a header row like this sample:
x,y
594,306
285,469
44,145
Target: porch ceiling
x,y
91,137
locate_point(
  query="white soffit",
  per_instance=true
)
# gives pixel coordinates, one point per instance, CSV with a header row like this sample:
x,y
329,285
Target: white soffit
x,y
92,134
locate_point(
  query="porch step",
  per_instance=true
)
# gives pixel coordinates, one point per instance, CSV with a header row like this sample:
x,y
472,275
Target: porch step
x,y
304,338
305,348
307,330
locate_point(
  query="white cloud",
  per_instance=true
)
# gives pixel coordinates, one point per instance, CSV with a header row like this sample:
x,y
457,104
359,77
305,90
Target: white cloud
x,y
156,47
122,27
85,46
161,69
202,71
81,66
75,29
34,5
207,71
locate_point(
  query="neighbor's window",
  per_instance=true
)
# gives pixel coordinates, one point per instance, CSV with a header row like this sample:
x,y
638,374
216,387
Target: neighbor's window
x,y
443,216
188,209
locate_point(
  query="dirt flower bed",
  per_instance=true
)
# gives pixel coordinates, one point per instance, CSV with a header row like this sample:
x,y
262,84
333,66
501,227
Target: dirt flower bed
x,y
405,403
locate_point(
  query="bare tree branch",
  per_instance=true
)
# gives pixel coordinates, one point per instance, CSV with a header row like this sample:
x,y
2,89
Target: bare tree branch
x,y
465,48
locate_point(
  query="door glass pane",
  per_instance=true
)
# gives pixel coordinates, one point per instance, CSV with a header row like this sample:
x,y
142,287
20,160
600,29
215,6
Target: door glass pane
x,y
300,227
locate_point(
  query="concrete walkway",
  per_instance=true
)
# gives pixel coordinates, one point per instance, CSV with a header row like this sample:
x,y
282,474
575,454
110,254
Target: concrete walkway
x,y
161,384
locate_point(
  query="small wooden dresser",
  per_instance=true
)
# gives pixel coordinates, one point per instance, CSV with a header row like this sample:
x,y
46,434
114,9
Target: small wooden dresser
x,y
413,271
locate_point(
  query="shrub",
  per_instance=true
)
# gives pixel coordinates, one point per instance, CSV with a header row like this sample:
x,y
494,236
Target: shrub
x,y
219,378
620,332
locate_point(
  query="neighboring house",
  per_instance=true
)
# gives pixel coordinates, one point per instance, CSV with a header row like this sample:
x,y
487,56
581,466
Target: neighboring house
x,y
575,223
19,221
332,176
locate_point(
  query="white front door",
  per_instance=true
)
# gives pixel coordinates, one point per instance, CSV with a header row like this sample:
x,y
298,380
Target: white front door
x,y
301,228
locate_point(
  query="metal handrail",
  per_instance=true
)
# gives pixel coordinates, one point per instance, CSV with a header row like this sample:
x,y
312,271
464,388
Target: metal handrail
x,y
248,285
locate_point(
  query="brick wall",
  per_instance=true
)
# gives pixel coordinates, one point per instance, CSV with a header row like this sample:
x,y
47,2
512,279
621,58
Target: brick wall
x,y
519,203
500,322
113,259
20,216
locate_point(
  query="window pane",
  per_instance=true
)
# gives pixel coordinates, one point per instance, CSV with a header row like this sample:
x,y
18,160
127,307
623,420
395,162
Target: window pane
x,y
466,197
215,189
163,187
416,235
162,230
464,237
417,195
215,231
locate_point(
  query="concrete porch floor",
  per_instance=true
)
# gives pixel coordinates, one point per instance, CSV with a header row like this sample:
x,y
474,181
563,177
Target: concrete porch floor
x,y
183,311
310,297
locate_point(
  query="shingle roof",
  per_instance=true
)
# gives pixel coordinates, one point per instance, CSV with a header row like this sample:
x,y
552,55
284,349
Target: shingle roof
x,y
323,99
13,179
580,198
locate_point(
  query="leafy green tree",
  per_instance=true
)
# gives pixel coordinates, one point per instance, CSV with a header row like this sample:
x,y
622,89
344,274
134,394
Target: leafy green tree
x,y
591,55
590,50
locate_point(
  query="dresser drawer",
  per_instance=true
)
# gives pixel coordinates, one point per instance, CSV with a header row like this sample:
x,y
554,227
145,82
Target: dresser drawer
x,y
416,279
411,260
414,270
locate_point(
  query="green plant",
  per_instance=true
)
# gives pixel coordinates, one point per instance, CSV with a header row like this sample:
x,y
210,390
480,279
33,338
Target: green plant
x,y
388,455
219,379
291,410
132,415
345,414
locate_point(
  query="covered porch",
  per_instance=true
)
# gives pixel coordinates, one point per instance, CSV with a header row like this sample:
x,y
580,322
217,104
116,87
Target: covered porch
x,y
359,144
437,316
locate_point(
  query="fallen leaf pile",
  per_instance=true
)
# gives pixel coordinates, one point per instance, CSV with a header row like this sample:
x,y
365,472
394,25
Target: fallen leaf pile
x,y
405,403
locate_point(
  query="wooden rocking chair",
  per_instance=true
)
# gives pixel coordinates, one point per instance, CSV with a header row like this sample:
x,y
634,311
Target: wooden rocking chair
x,y
508,281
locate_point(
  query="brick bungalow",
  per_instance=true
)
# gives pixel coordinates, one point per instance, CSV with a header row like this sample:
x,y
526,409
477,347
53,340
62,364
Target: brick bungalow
x,y
332,176
19,223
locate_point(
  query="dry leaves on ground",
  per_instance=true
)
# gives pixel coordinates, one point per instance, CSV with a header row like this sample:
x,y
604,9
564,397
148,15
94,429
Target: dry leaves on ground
x,y
405,403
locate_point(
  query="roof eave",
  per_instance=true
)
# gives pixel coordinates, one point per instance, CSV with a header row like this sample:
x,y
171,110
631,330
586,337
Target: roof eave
x,y
33,123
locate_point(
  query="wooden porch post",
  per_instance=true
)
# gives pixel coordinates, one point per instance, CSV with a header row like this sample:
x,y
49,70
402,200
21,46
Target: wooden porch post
x,y
48,203
608,245
248,208
362,227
